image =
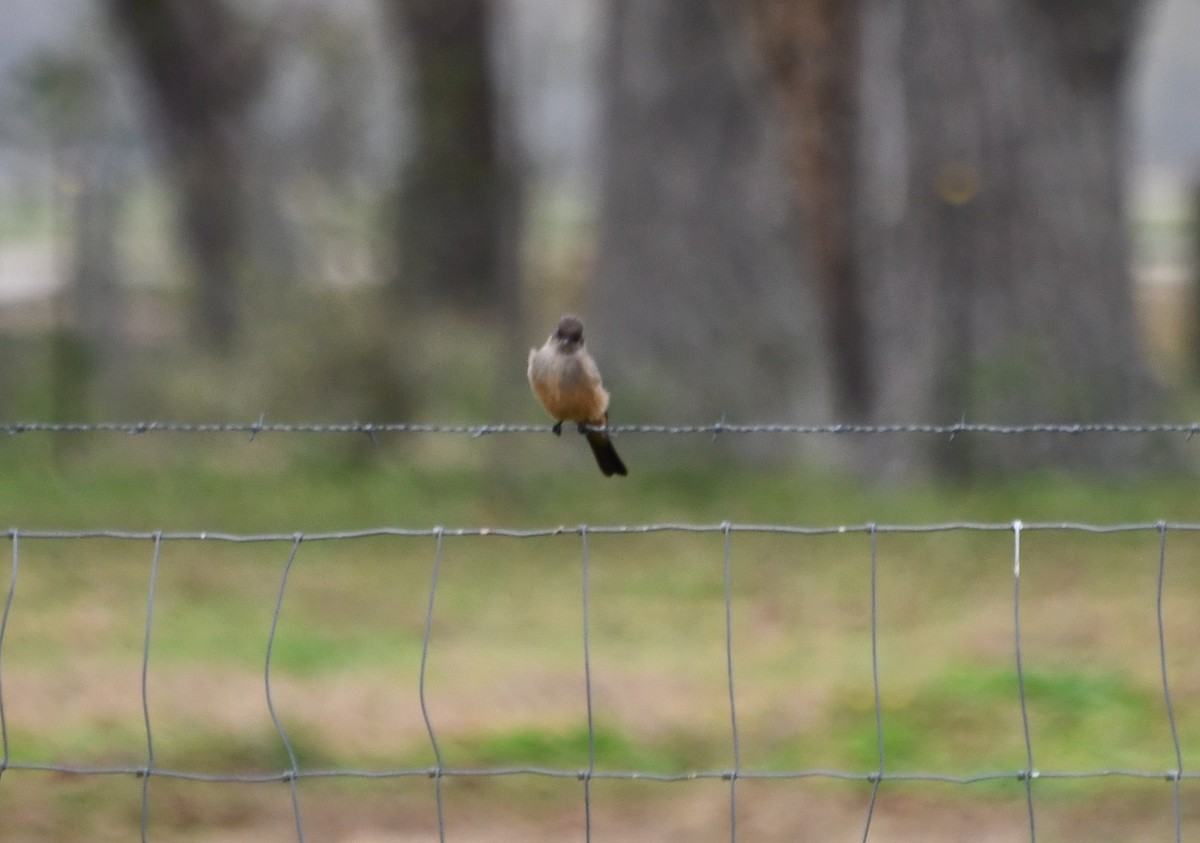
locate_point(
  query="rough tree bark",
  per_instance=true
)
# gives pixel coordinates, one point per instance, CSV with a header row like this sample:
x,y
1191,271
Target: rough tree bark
x,y
701,289
991,221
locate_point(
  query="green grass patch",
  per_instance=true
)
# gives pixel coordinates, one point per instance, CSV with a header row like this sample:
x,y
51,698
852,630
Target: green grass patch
x,y
504,680
968,720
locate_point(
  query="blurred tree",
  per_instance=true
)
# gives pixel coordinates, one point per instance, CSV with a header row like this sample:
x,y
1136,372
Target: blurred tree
x,y
459,203
809,48
69,102
1192,326
701,284
202,69
957,167
992,236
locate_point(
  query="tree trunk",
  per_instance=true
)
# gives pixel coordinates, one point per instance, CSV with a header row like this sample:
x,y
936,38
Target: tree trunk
x,y
202,75
991,221
809,47
459,206
701,295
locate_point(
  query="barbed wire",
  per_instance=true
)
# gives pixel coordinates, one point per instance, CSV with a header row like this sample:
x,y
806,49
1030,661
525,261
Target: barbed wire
x,y
253,429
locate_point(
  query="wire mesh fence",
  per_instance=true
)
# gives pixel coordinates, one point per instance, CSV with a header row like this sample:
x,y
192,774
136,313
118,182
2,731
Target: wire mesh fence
x,y
719,554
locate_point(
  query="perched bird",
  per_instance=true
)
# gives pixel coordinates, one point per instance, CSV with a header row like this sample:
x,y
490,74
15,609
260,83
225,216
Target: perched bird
x,y
565,379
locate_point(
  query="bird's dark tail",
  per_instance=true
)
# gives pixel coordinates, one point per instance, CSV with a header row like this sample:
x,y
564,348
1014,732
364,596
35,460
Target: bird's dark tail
x,y
606,454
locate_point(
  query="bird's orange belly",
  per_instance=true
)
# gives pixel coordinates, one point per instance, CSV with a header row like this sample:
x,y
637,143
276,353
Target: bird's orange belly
x,y
576,405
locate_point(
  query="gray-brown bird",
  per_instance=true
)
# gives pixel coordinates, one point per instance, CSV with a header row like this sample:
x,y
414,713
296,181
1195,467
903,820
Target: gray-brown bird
x,y
565,379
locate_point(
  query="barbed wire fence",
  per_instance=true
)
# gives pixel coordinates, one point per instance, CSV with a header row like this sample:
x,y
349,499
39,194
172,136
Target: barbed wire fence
x,y
882,773
1188,429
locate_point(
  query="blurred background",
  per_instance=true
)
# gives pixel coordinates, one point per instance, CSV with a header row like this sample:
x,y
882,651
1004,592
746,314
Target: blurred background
x,y
801,211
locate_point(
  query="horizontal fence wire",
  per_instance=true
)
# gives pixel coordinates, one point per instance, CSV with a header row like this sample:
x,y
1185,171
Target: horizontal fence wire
x,y
605,529
252,429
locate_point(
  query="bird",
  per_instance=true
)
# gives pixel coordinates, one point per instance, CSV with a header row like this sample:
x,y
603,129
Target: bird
x,y
565,379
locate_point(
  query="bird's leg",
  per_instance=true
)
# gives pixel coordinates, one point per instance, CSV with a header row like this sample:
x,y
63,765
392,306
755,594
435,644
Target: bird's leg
x,y
557,429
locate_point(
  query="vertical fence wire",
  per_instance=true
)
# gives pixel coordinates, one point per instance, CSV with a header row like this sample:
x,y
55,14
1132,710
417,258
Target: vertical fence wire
x,y
877,778
1029,774
1166,686
727,529
585,565
421,684
294,772
8,602
145,680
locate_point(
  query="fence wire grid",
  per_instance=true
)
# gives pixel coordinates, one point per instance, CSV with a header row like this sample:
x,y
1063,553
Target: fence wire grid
x,y
880,774
874,778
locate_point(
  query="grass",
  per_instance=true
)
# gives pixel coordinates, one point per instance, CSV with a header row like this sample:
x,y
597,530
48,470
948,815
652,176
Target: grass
x,y
504,683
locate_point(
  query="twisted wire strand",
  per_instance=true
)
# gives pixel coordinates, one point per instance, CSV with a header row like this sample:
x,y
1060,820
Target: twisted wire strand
x,y
253,429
